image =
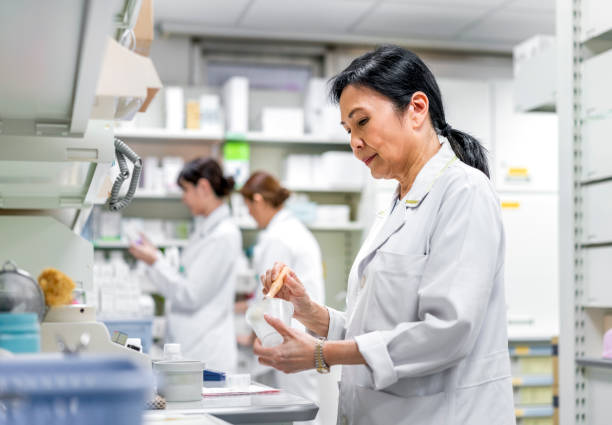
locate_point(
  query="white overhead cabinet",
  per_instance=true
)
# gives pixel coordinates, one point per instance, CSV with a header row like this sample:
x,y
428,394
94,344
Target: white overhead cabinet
x,y
526,149
535,75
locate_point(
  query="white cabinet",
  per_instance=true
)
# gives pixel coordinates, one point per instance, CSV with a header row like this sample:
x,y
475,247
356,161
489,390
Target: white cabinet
x,y
597,213
531,275
596,18
597,85
597,143
526,152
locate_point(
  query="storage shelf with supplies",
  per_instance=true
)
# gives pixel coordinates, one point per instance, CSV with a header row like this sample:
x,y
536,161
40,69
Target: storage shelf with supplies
x,y
307,139
348,227
163,134
122,244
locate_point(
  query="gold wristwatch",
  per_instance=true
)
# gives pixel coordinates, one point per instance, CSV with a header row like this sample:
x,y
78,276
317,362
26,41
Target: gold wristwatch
x,y
320,364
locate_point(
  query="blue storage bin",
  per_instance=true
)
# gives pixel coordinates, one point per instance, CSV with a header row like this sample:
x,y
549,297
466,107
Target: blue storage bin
x,y
20,332
72,390
134,328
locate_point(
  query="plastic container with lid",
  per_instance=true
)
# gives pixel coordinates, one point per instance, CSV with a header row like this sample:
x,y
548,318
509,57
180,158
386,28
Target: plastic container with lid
x,y
19,332
179,380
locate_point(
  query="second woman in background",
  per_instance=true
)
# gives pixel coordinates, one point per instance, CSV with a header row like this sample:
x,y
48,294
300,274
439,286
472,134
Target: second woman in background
x,y
202,294
285,239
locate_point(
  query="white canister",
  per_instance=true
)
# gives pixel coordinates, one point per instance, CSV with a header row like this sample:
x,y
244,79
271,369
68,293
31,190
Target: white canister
x,y
179,380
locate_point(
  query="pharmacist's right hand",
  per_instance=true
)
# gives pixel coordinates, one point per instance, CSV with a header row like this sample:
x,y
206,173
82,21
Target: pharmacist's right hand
x,y
293,290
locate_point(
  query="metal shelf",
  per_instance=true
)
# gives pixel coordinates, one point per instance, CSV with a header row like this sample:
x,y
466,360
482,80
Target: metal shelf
x,y
533,351
305,139
162,134
322,189
123,244
594,362
348,227
158,196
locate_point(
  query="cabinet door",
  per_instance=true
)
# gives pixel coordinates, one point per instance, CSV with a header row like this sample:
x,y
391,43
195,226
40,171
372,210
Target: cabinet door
x,y
597,148
596,85
597,213
597,275
526,145
531,275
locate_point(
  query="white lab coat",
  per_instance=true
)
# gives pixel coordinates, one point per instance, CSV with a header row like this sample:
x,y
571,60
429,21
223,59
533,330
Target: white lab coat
x,y
426,306
201,308
286,239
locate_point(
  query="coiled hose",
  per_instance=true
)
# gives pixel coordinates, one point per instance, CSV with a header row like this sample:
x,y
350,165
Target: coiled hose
x,y
121,152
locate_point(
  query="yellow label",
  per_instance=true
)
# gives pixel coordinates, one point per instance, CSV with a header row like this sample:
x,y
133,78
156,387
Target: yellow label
x,y
510,205
518,172
521,350
519,413
517,382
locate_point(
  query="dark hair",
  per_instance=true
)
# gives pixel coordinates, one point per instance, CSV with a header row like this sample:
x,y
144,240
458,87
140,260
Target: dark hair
x,y
398,73
209,169
267,186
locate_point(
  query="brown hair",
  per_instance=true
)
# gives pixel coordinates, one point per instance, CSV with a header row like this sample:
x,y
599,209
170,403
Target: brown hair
x,y
267,186
209,169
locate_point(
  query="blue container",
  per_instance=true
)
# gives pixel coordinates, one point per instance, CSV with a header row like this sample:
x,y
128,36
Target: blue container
x,y
20,332
134,328
72,390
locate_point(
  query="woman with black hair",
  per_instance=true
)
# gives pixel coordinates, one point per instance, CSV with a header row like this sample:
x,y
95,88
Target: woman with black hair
x,y
201,295
423,339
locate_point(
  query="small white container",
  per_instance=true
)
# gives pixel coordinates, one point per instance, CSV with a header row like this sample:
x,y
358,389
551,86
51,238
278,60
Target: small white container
x,y
179,380
274,307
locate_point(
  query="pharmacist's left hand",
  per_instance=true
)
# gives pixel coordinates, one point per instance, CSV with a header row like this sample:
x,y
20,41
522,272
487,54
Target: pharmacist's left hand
x,y
295,354
144,250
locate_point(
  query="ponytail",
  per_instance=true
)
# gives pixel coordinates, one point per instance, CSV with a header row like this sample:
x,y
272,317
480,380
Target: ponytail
x,y
467,148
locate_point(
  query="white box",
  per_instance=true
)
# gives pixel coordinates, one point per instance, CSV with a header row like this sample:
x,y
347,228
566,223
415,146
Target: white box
x,y
298,170
282,121
236,104
535,81
333,214
175,108
342,169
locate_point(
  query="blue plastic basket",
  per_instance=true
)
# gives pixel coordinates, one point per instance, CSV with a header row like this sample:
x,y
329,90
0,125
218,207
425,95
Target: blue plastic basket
x,y
134,328
73,390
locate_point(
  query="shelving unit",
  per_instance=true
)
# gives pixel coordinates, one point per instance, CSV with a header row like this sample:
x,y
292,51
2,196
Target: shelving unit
x,y
122,244
338,242
585,45
534,371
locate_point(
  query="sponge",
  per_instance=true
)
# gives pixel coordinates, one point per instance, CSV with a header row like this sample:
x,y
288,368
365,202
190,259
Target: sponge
x,y
56,286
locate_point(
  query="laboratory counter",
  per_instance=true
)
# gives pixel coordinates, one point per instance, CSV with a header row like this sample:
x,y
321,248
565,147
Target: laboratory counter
x,y
277,408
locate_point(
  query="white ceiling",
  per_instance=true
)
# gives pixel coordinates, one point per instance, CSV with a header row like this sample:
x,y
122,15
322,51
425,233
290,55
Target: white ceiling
x,y
455,24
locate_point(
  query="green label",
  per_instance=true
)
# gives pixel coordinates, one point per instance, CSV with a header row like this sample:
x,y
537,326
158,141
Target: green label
x,y
234,150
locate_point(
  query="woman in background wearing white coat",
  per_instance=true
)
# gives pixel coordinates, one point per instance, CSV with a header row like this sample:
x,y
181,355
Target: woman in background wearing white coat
x,y
285,238
423,339
202,294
